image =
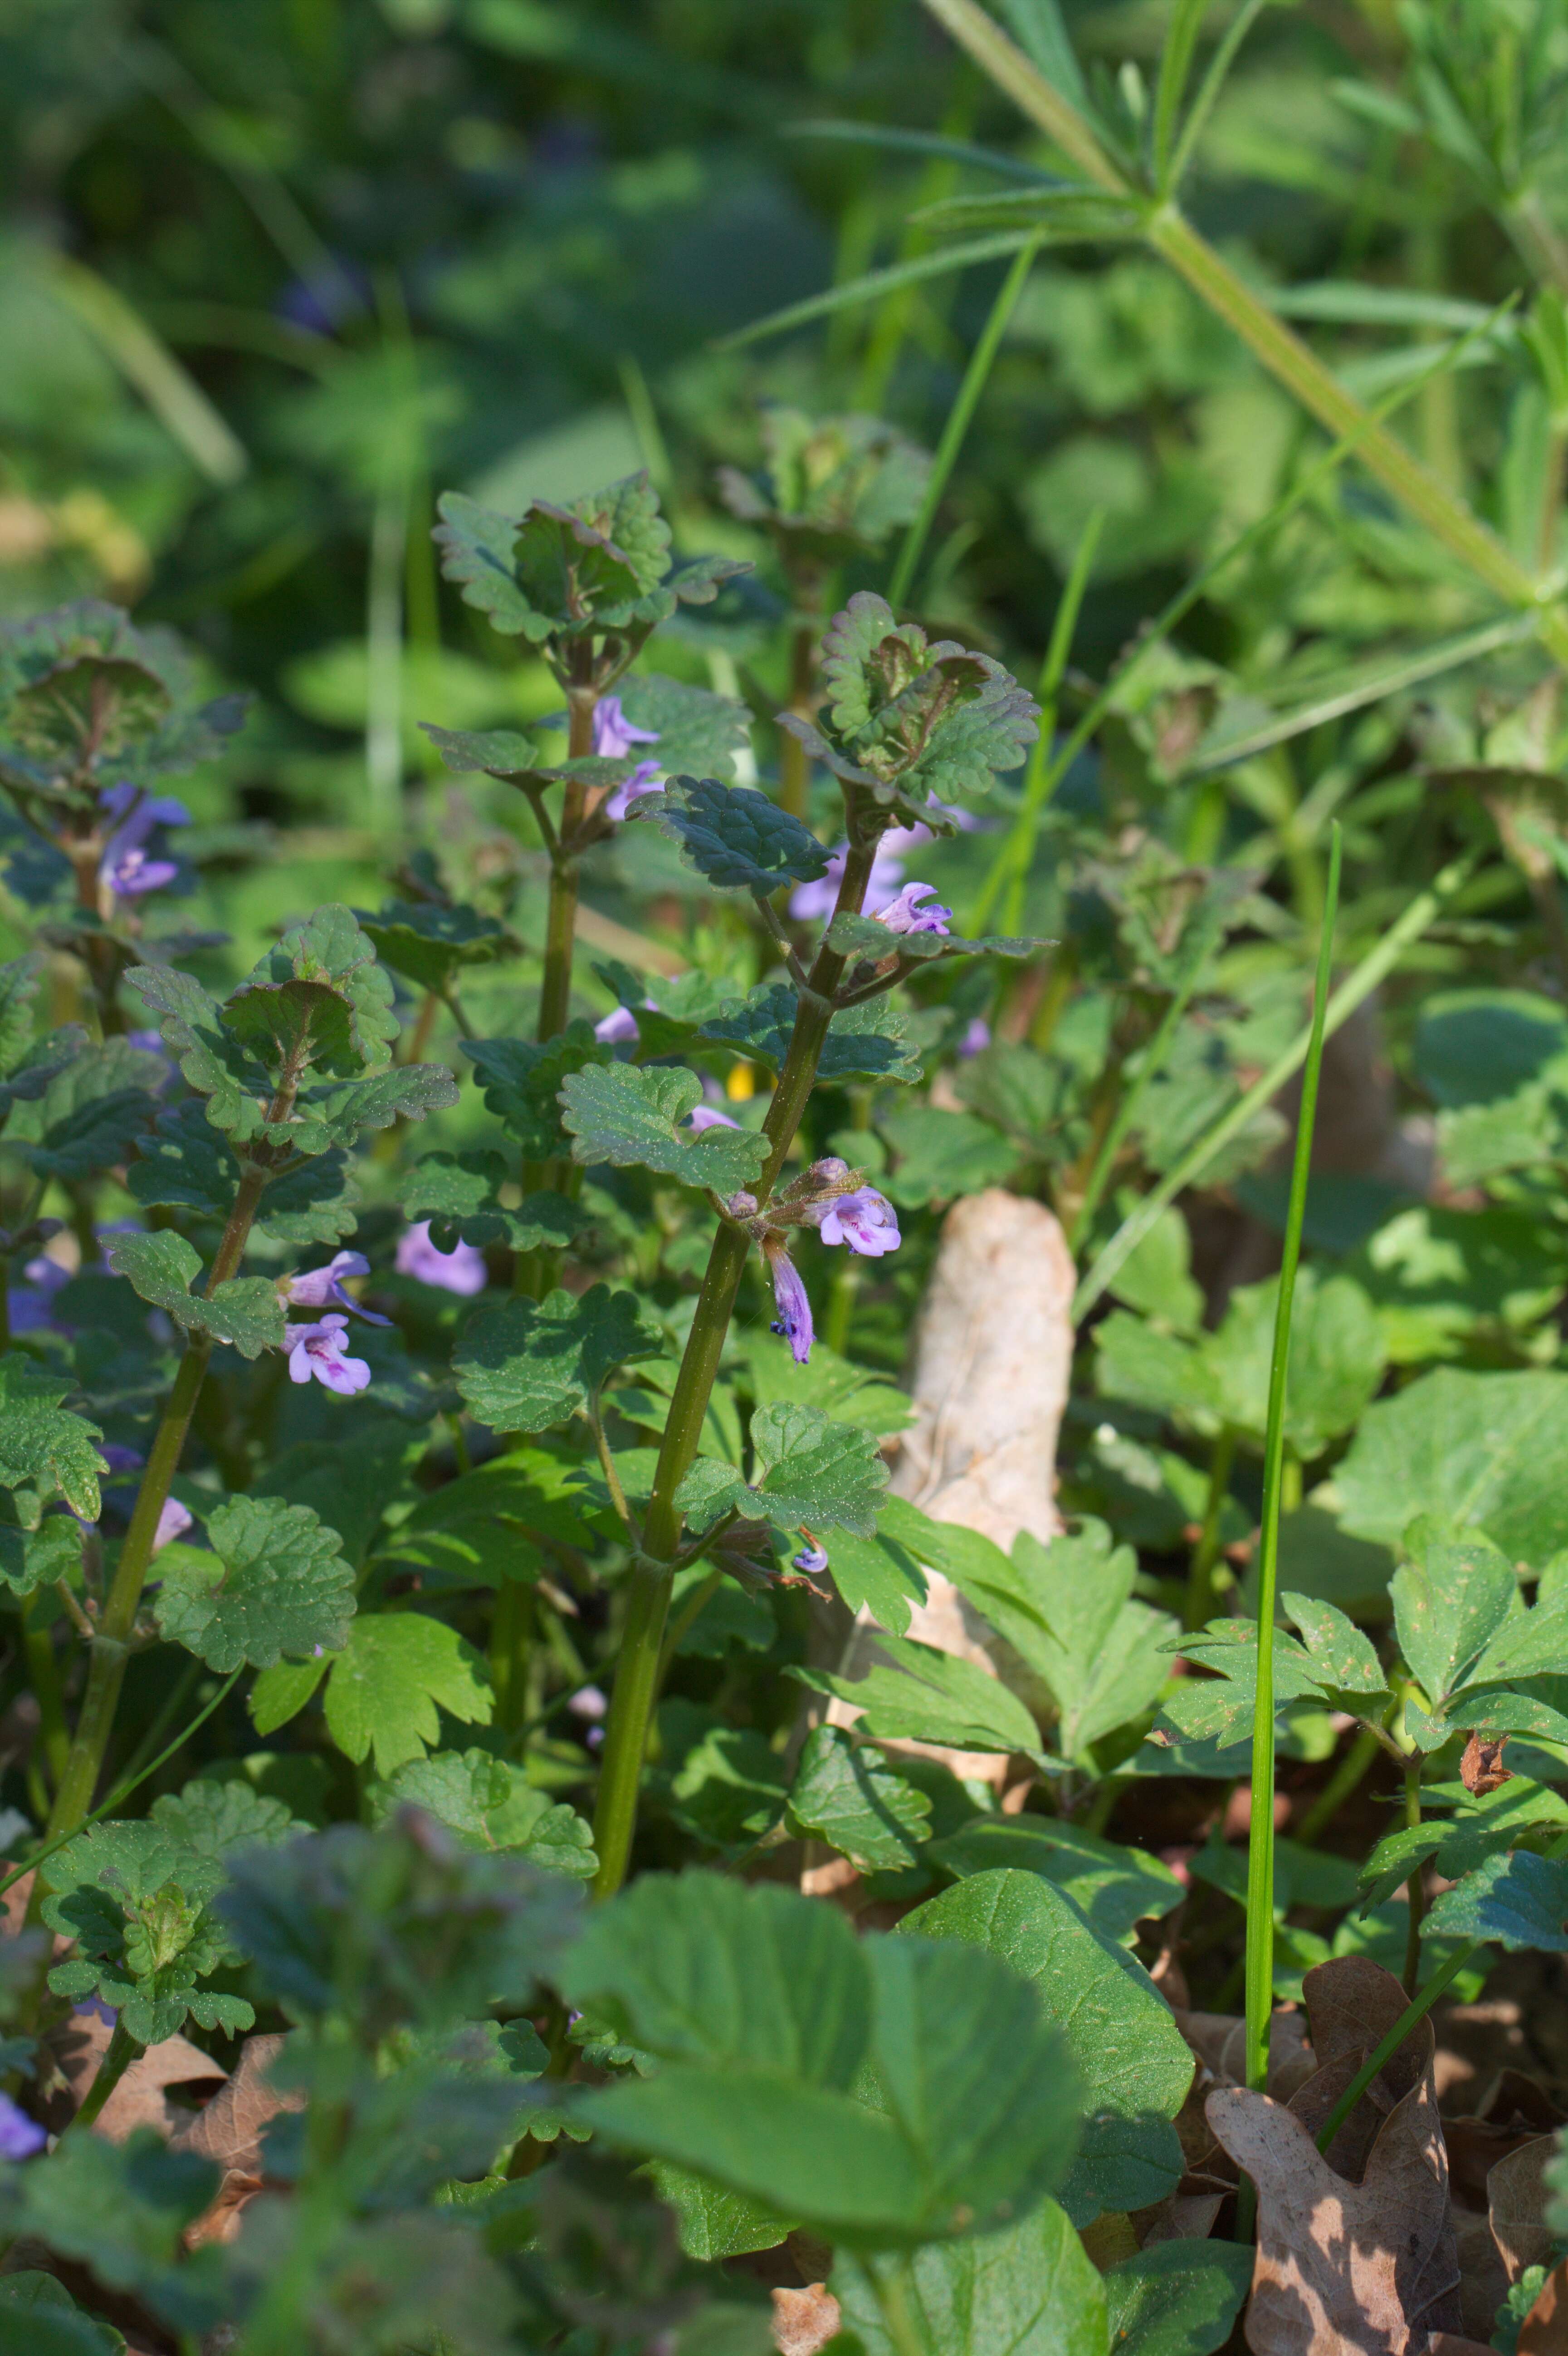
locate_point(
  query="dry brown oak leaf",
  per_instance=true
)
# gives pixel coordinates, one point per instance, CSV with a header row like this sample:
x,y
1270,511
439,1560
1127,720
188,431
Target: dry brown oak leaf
x,y
1356,2253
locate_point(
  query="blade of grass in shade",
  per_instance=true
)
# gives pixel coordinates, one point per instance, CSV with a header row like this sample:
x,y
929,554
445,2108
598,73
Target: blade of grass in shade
x,y
1259,1838
1043,775
877,282
145,361
958,421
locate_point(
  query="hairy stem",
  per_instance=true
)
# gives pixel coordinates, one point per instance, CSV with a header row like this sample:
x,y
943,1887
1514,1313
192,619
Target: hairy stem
x,y
1416,1886
652,1574
123,2049
795,761
106,1666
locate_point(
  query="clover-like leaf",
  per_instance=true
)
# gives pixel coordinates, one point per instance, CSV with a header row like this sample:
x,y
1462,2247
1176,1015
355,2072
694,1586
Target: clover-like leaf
x,y
244,1312
275,1582
490,1803
844,1793
384,1688
430,943
735,836
622,1114
522,1366
42,1442
862,1042
460,1196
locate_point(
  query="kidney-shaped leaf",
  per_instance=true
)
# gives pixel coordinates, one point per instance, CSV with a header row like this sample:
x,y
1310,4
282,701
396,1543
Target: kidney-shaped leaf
x,y
274,1583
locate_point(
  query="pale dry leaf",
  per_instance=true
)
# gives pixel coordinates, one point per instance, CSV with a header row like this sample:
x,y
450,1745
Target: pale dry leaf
x,y
1219,2040
229,2129
805,2320
1483,2277
78,2045
220,2221
1179,2217
1516,2207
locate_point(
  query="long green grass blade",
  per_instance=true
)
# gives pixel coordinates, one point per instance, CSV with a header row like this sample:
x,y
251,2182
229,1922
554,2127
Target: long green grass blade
x,y
1259,1844
1423,912
1214,83
1175,66
877,282
896,141
959,417
146,361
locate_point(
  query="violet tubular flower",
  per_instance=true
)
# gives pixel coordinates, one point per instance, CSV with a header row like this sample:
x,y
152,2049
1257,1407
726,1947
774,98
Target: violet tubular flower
x,y
864,1220
812,1557
128,868
318,1350
613,737
905,914
613,1029
20,2137
792,1301
318,1286
174,1520
703,1117
461,1270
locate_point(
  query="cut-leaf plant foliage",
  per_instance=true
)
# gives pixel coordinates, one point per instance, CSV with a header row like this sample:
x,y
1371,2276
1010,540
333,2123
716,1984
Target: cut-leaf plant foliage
x,y
574,1780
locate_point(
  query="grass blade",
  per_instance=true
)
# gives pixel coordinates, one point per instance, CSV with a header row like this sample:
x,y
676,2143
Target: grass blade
x,y
146,361
877,282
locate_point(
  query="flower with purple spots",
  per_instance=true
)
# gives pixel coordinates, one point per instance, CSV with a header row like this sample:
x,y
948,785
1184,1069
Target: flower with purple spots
x,y
905,914
461,1269
174,1520
20,2137
128,869
864,1220
613,1029
317,1350
791,1300
317,1286
703,1117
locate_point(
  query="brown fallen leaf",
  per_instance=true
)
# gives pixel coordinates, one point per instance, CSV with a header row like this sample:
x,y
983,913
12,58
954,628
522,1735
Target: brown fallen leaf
x,y
1219,2040
219,2220
1356,2252
1545,2332
78,2044
1481,1769
1516,2111
805,2320
1483,2277
1179,2217
229,2129
1516,2207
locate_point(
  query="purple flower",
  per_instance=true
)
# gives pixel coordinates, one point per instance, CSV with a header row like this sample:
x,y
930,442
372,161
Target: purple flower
x,y
905,916
460,1271
126,866
808,902
613,737
318,1350
20,2137
119,1458
811,1558
174,1519
317,1286
618,1024
790,1298
31,1303
703,1117
588,1702
864,1220
977,1039
92,2008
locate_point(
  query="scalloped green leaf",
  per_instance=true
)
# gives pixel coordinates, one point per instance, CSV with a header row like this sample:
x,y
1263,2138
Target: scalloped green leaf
x,y
522,1082
862,1042
812,1473
429,942
44,1443
622,1114
863,936
383,1689
459,1194
275,1582
846,1794
928,1695
734,835
93,1112
490,1804
522,1366
244,1312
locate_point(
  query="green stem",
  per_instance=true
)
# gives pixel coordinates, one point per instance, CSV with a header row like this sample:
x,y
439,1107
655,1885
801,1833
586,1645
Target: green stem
x,y
795,761
560,919
893,2293
958,420
43,1674
123,2049
1423,911
106,1666
1206,1553
652,1575
1260,1844
1417,1882
1043,774
1348,1778
511,1635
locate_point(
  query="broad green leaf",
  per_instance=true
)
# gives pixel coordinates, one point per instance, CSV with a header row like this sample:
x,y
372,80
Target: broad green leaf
x,y
846,1795
735,836
282,1693
182,1162
482,1527
715,2223
877,1575
1483,1450
1068,1607
699,733
336,1115
490,1804
1176,2298
942,1154
862,1042
622,1113
1219,1709
847,1392
42,1442
812,1473
1028,2290
31,1559
1437,1276
1447,1605
244,1311
1533,1643
524,1365
1150,1368
121,2208
1155,1278
521,1082
211,1819
92,1113
1133,2062
1517,1900
460,1196
1113,1887
1482,1046
274,1583
383,1689
430,942
1336,1358
932,1696
729,1789
39,2316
